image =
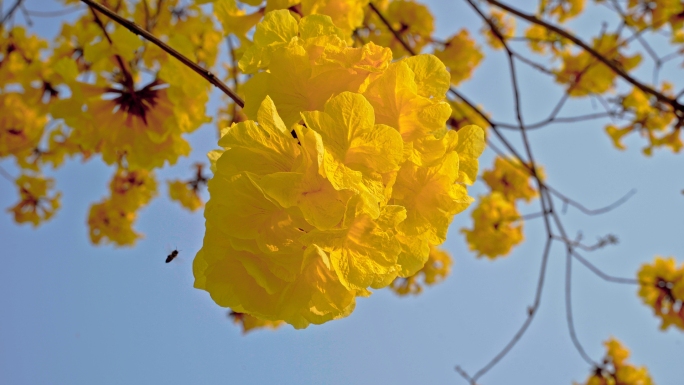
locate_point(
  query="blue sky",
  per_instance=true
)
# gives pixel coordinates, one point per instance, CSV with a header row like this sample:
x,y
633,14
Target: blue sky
x,y
73,313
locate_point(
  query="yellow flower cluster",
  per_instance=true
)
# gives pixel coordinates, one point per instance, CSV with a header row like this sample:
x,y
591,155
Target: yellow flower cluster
x,y
586,75
651,118
460,55
101,90
436,269
616,370
35,205
661,286
497,224
341,181
510,178
112,219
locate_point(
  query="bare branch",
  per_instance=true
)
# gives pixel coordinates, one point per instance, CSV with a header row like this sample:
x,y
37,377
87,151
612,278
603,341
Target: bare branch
x,y
601,274
11,12
587,211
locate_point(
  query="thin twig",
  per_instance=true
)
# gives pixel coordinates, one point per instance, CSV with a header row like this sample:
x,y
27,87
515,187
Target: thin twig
x,y
531,312
53,13
587,211
396,34
11,12
568,309
6,175
136,29
601,274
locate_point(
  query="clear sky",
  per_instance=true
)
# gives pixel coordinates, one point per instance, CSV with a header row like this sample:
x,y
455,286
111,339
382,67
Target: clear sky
x,y
72,313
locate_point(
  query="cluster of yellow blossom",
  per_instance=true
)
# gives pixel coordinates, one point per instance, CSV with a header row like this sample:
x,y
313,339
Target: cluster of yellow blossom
x,y
616,370
101,90
436,269
497,224
34,204
340,182
651,118
460,55
661,286
510,178
586,75
112,219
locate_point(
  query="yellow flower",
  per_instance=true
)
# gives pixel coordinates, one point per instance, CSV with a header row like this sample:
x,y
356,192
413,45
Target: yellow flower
x,y
586,75
431,197
20,55
108,223
131,190
35,205
409,96
140,124
21,126
615,369
661,286
436,269
651,118
511,179
346,14
461,56
496,227
341,181
310,68
235,20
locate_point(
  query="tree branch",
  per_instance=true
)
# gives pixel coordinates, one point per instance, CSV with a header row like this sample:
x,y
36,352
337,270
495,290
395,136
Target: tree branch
x,y
11,11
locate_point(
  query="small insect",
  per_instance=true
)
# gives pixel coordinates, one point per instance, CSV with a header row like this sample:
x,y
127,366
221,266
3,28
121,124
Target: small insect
x,y
171,256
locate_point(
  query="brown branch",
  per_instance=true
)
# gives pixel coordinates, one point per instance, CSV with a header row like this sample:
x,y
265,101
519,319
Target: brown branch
x,y
11,12
396,34
531,312
131,26
587,211
646,89
6,175
601,274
